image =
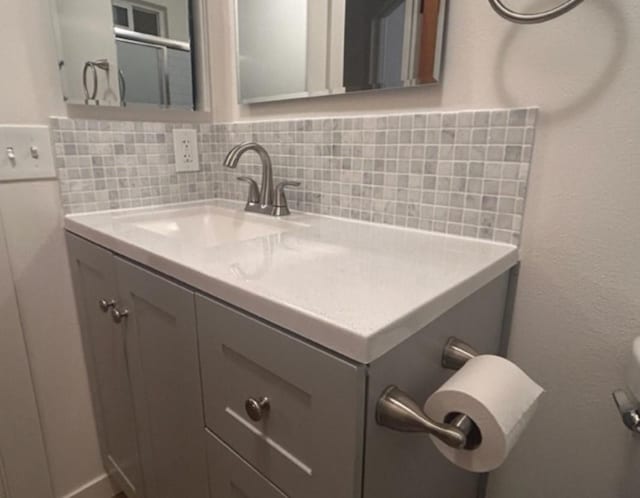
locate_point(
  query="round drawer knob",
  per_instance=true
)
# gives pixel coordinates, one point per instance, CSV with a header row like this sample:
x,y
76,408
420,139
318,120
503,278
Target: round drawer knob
x,y
257,408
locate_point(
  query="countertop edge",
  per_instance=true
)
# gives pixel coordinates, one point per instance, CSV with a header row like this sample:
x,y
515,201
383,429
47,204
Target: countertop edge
x,y
406,326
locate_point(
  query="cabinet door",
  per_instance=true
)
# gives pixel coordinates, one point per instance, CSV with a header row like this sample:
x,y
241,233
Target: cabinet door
x,y
308,439
231,477
93,273
161,334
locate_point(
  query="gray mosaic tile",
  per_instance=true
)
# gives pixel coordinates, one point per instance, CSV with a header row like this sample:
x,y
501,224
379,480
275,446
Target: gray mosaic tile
x,y
112,164
433,171
462,172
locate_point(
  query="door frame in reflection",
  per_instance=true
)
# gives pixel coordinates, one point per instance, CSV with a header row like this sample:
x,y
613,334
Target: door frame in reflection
x,y
420,60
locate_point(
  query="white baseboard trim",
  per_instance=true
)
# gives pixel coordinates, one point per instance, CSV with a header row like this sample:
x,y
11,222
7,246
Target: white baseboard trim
x,y
100,487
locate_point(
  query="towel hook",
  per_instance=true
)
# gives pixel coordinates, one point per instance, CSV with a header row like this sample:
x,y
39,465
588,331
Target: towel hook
x,y
538,17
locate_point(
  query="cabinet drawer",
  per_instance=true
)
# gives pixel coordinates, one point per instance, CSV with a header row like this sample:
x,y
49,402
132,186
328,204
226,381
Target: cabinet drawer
x,y
231,477
309,440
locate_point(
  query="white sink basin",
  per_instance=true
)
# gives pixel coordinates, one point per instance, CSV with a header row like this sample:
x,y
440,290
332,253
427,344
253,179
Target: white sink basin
x,y
207,226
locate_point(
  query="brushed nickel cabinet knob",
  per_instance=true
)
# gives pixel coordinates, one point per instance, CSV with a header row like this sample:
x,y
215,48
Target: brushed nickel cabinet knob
x,y
257,408
119,315
106,304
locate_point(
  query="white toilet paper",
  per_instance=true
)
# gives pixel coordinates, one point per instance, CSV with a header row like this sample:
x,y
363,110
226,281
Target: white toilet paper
x,y
498,396
633,369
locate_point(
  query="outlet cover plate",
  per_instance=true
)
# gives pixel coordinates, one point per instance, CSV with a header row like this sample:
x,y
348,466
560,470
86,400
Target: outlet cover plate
x,y
185,144
25,153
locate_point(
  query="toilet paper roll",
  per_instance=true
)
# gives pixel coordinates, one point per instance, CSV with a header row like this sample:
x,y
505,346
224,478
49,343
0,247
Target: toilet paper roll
x,y
633,369
500,399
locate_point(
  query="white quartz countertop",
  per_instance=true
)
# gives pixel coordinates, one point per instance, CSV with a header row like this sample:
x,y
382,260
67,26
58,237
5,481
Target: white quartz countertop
x,y
358,289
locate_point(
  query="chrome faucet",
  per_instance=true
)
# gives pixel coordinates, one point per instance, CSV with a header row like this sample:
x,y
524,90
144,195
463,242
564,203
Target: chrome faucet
x,y
261,200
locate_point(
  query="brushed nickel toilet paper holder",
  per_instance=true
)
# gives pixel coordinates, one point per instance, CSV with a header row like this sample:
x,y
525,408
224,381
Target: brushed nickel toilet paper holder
x,y
398,411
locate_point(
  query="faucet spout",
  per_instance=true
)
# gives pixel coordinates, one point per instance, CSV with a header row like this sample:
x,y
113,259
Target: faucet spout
x,y
266,189
228,160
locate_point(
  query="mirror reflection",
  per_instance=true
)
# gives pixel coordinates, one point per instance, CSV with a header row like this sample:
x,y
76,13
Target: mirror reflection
x,y
301,48
122,52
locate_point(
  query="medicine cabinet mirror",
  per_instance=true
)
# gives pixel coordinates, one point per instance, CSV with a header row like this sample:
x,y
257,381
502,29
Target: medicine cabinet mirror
x,y
289,49
131,52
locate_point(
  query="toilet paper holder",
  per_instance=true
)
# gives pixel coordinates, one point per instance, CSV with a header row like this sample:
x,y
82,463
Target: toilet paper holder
x,y
629,410
398,411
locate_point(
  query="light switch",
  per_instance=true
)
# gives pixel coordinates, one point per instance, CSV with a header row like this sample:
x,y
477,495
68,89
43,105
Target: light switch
x,y
25,153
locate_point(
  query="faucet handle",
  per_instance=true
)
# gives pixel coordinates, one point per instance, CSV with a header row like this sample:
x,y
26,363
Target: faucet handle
x,y
254,193
280,204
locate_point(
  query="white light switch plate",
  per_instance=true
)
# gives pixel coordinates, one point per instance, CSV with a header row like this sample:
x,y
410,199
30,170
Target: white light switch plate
x,y
25,153
185,143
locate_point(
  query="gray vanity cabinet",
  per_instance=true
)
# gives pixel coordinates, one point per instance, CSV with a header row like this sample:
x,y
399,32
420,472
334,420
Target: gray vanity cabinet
x,y
307,437
94,280
144,374
195,398
163,355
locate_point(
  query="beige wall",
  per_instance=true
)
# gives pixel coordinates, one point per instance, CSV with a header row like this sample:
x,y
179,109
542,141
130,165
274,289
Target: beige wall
x,y
29,93
29,88
578,303
21,440
34,238
579,295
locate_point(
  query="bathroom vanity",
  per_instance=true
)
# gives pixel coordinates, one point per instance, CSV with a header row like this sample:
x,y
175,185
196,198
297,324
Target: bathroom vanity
x,y
233,354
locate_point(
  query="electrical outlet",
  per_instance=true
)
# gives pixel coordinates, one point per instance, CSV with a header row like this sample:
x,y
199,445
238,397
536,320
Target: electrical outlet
x,y
185,144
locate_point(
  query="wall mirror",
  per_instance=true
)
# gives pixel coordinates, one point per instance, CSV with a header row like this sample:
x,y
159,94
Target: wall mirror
x,y
289,49
130,52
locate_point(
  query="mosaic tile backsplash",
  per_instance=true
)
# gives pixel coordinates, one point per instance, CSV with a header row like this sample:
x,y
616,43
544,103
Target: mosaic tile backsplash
x,y
122,164
462,172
